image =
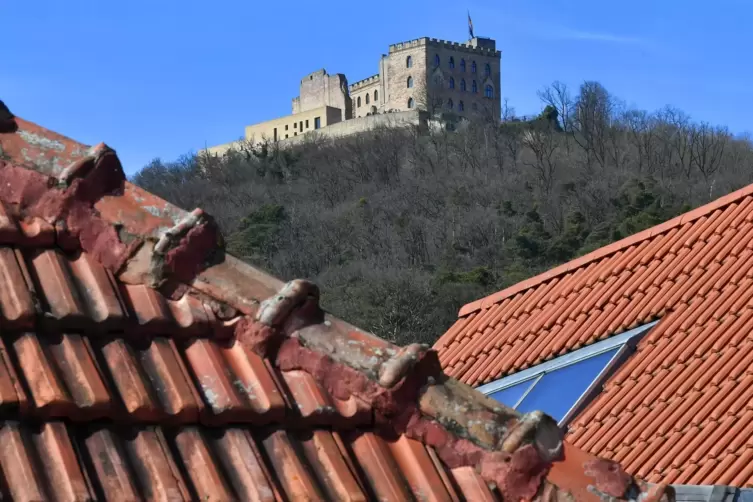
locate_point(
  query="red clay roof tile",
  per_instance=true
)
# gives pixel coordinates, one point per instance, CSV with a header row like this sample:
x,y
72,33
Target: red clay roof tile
x,y
691,372
137,361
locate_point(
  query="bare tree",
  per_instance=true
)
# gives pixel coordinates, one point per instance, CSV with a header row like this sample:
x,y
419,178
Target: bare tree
x,y
707,151
592,119
543,143
642,132
558,96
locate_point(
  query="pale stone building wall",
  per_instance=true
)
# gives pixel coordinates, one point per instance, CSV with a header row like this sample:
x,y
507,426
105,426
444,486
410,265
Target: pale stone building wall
x,y
320,89
291,126
366,96
413,118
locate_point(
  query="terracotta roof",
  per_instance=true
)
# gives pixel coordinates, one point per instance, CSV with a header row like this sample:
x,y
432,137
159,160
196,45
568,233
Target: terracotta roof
x,y
681,409
140,362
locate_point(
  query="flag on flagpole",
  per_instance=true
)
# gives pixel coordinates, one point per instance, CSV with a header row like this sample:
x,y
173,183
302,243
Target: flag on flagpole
x,y
470,25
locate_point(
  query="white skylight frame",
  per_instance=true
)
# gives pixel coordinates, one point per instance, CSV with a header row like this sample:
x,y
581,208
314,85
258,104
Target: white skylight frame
x,y
625,341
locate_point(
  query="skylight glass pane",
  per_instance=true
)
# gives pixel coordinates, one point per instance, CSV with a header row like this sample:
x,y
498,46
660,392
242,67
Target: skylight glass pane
x,y
511,395
556,392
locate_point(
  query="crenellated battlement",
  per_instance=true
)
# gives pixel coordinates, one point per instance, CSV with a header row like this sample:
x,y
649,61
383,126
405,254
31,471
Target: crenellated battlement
x,y
363,83
471,47
410,44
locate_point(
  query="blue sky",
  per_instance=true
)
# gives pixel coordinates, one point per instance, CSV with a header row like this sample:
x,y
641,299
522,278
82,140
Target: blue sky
x,y
163,78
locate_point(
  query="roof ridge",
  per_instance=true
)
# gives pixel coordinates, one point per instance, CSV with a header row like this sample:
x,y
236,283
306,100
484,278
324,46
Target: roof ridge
x,y
409,394
605,251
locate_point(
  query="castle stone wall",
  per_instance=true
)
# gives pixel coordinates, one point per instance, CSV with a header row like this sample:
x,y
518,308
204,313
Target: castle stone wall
x,y
369,92
432,88
364,124
291,126
320,89
395,65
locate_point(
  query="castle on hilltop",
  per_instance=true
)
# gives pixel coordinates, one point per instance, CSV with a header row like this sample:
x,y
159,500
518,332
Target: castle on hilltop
x,y
421,78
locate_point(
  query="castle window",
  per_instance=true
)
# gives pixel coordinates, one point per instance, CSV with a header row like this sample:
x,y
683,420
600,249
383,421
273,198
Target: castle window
x,y
462,65
286,128
461,106
410,82
368,97
452,83
474,88
307,124
358,102
473,67
452,62
436,60
409,62
286,136
462,85
295,125
376,96
487,70
489,91
317,122
275,134
300,126
411,103
450,104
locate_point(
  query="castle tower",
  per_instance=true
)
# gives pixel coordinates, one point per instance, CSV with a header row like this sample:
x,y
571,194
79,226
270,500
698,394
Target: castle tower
x,y
441,76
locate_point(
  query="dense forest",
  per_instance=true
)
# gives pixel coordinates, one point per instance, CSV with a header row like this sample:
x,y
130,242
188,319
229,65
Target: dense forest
x,y
400,228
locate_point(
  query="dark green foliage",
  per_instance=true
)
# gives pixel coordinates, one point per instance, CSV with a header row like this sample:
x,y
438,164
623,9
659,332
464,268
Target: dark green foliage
x,y
480,276
256,236
400,229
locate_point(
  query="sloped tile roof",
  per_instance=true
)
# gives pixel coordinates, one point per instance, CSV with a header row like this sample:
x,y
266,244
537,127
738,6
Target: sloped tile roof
x,y
139,362
681,409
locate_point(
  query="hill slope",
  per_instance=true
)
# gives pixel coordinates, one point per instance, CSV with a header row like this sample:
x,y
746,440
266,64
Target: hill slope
x,y
400,230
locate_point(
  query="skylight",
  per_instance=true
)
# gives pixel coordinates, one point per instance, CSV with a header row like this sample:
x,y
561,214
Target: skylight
x,y
563,386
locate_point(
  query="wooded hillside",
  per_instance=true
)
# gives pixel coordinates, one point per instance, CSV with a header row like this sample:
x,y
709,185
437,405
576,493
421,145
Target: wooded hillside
x,y
401,229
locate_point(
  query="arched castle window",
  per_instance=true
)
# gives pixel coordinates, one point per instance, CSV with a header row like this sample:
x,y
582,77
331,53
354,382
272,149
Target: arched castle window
x,y
409,62
473,67
462,85
487,69
452,62
411,103
489,91
376,96
368,97
436,60
359,101
461,106
450,104
474,88
410,82
452,83
462,65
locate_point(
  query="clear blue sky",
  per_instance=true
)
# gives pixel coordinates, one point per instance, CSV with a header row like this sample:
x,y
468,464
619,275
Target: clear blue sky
x,y
163,78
